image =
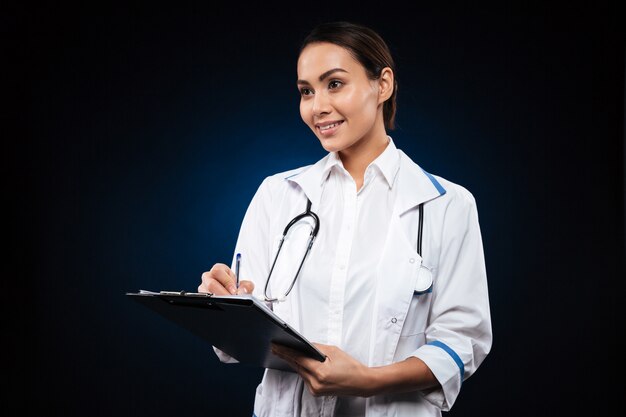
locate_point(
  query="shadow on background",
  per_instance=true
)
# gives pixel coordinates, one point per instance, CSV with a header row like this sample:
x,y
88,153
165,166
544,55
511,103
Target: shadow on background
x,y
150,130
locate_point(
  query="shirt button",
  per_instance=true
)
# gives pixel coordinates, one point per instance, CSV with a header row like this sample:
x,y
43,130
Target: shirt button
x,y
342,267
412,260
394,320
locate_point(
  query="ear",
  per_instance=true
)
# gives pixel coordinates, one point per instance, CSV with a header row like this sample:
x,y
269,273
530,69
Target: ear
x,y
385,85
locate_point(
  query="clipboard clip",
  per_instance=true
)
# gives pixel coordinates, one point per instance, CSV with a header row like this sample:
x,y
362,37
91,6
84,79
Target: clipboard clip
x,y
187,294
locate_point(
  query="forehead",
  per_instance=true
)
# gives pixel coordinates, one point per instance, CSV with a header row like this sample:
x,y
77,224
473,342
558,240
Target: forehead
x,y
316,58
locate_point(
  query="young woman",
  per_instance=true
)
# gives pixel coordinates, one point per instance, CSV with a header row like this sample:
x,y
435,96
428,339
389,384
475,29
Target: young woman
x,y
393,288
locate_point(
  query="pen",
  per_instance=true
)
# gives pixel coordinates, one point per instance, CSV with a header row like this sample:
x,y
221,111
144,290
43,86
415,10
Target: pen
x,y
237,262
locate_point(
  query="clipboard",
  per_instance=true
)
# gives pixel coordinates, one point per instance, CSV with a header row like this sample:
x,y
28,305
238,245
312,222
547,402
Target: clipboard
x,y
241,326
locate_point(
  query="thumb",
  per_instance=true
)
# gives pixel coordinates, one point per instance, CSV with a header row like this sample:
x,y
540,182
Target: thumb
x,y
245,287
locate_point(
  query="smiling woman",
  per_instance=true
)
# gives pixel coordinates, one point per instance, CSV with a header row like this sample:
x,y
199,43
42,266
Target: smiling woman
x,y
393,286
342,105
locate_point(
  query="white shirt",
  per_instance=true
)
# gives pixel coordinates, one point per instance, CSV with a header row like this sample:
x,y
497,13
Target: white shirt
x,y
338,280
356,287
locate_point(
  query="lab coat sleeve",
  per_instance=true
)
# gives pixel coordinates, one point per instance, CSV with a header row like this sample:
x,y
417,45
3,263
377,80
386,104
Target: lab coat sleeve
x,y
458,334
253,245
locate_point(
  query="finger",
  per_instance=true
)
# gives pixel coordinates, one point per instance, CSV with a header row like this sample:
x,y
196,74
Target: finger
x,y
245,287
292,360
225,276
322,348
310,363
295,357
285,351
210,285
214,287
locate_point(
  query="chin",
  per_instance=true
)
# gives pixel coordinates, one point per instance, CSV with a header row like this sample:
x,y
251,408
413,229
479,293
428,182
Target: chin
x,y
330,145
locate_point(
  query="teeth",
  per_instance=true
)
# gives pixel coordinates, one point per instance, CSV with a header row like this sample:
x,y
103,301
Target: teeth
x,y
329,126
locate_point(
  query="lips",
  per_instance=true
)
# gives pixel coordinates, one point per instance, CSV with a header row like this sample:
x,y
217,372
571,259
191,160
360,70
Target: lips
x,y
328,128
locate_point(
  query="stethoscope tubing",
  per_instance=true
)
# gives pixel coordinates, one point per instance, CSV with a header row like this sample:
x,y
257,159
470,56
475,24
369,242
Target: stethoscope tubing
x,y
313,235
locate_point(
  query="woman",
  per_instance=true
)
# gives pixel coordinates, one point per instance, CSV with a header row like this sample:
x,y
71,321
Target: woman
x,y
394,286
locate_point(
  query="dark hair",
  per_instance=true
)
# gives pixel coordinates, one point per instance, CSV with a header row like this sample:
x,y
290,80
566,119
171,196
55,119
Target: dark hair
x,y
367,47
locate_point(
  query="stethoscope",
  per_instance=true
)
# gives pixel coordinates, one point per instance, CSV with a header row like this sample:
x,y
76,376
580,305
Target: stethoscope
x,y
424,282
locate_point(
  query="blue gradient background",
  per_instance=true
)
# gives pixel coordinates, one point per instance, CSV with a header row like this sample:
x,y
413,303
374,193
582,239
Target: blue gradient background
x,y
150,130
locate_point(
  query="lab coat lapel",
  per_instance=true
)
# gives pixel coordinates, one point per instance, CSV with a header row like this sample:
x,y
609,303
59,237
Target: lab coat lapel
x,y
310,180
416,185
400,263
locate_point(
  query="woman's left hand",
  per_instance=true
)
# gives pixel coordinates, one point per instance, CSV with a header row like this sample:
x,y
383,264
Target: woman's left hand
x,y
339,374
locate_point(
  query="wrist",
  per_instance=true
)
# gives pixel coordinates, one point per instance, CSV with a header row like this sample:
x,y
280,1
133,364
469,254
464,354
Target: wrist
x,y
412,374
371,381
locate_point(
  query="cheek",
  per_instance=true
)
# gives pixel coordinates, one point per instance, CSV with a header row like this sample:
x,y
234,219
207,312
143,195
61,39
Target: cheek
x,y
360,103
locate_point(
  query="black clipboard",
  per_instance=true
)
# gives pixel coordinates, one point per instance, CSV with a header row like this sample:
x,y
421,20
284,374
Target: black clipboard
x,y
241,326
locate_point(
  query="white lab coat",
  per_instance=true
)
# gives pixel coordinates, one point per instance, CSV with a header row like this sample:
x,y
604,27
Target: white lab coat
x,y
448,328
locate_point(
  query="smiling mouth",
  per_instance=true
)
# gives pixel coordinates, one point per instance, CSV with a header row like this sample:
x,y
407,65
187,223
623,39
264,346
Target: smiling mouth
x,y
329,128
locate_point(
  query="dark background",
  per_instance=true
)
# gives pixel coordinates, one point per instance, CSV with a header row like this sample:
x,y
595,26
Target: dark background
x,y
148,129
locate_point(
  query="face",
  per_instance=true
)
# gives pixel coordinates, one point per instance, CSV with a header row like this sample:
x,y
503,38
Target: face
x,y
340,104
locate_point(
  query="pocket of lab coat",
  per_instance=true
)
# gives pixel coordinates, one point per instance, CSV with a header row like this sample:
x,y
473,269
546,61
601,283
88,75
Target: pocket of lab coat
x,y
407,345
417,314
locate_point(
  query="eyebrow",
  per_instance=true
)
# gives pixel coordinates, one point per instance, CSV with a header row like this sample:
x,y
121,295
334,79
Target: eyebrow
x,y
325,75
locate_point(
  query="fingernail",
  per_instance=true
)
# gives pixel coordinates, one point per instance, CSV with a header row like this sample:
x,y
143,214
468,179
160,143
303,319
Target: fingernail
x,y
232,289
244,290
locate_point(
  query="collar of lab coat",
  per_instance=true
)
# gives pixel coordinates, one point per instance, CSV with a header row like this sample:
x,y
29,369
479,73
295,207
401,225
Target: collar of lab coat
x,y
416,185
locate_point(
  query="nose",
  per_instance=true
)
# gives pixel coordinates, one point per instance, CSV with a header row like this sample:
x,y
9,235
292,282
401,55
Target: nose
x,y
321,104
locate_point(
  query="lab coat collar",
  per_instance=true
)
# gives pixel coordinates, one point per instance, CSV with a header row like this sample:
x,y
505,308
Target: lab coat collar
x,y
416,185
308,179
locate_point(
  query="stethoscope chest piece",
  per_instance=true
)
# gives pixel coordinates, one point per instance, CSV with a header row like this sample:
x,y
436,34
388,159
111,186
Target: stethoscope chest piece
x,y
424,282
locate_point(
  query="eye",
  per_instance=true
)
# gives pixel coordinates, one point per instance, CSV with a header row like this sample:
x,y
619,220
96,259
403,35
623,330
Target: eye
x,y
305,91
334,84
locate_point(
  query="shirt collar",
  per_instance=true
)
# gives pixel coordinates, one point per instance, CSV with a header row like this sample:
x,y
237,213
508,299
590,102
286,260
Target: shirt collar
x,y
417,185
387,163
332,161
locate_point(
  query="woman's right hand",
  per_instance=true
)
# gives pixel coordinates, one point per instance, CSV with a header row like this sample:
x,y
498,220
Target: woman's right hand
x,y
221,280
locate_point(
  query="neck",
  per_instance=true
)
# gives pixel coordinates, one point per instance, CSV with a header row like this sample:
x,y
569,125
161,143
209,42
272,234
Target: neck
x,y
357,158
